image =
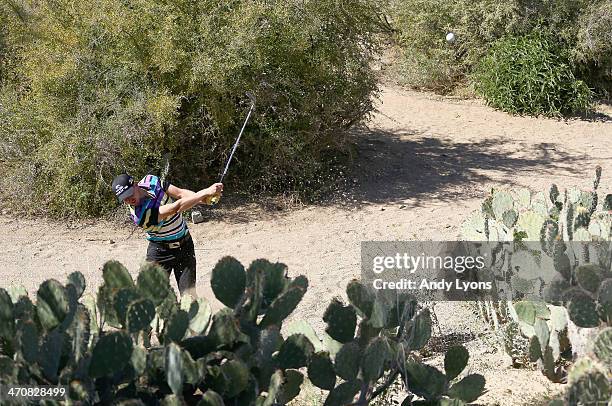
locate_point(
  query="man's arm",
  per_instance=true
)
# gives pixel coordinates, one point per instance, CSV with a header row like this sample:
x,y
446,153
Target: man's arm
x,y
187,200
178,193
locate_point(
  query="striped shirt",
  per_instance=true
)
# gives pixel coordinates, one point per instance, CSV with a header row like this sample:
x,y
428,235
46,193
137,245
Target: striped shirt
x,y
146,215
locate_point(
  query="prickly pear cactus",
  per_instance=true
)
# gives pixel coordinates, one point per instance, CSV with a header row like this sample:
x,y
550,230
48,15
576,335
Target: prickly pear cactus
x,y
376,335
574,228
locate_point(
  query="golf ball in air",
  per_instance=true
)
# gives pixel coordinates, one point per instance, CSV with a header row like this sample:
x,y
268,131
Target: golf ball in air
x,y
450,37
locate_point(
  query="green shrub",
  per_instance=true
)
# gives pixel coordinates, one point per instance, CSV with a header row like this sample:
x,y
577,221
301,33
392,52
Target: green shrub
x,y
427,61
114,85
593,51
531,75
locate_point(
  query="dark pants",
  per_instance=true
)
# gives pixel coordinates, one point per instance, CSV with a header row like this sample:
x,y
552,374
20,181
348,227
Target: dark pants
x,y
181,260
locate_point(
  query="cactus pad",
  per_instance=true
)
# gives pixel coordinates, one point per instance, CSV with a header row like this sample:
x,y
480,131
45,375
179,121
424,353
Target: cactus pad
x,y
592,388
7,318
589,277
176,327
282,307
582,311
455,361
468,389
77,280
228,281
341,321
347,361
375,356
501,203
153,283
138,360
111,354
509,218
321,371
535,350
541,331
343,394
602,346
225,329
116,276
50,353
211,398
174,368
199,315
295,352
302,327
526,312
361,297
291,386
604,301
140,314
425,380
51,304
236,374
418,330
122,300
16,291
27,335
79,332
275,278
531,222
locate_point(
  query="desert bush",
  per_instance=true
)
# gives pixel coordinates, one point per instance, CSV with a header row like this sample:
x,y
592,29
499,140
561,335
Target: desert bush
x,y
593,51
114,86
136,342
427,61
531,75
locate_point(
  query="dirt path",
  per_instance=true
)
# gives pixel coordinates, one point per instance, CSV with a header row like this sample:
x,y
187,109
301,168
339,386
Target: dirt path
x,y
425,163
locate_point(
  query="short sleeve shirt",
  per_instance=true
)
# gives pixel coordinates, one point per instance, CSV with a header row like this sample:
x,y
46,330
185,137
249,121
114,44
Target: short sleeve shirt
x,y
146,215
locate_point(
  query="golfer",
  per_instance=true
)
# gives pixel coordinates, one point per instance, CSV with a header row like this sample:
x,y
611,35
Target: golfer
x,y
156,206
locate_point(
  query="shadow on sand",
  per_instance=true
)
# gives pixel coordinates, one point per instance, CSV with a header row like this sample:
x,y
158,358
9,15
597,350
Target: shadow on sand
x,y
406,167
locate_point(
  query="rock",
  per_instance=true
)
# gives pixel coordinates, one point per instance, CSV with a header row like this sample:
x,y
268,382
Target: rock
x,y
111,241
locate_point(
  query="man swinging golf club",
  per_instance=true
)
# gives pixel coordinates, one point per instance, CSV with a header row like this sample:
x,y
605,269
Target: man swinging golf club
x,y
156,206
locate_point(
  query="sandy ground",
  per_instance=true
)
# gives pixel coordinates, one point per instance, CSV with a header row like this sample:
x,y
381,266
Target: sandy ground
x,y
424,164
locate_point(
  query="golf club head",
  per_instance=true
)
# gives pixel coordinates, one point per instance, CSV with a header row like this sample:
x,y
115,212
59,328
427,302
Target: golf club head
x,y
251,97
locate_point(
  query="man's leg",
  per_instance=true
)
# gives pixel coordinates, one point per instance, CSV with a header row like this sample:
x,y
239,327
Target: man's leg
x,y
185,270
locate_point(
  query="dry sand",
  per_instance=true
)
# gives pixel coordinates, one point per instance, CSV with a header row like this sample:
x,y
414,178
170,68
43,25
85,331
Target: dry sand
x,y
424,164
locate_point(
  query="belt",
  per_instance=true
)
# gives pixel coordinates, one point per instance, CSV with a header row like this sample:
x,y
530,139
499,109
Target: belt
x,y
174,244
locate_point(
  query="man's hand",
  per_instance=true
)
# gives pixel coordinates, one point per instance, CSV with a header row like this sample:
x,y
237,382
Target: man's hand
x,y
214,190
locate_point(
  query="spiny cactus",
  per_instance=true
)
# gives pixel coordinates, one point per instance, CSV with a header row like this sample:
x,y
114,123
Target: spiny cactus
x,y
371,356
574,229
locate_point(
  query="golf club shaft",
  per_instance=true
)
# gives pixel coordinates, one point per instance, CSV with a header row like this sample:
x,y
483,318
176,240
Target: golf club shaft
x,y
236,143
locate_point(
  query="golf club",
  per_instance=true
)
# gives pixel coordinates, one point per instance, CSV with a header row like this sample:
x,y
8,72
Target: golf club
x,y
197,216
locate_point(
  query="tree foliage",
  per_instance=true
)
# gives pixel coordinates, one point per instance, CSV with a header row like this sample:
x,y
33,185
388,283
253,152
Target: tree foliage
x,y
115,85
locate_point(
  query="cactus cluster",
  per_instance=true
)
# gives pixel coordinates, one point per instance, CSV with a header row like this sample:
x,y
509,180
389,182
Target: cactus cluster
x,y
574,229
370,342
135,343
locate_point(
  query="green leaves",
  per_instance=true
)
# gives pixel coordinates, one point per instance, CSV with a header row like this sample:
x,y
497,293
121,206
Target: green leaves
x,y
530,74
